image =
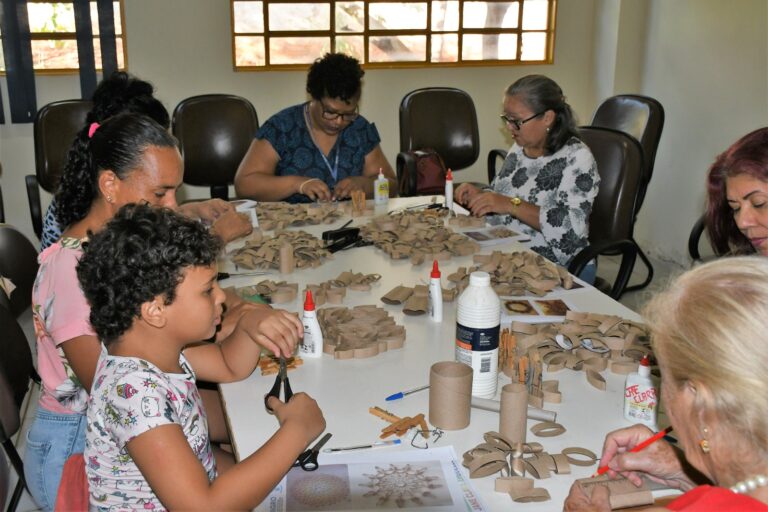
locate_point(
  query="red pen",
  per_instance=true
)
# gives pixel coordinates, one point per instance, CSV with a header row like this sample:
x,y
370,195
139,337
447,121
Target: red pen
x,y
658,435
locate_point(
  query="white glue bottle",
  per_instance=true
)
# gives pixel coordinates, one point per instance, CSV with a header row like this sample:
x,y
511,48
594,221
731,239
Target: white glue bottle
x,y
449,191
312,345
477,333
640,397
381,189
435,294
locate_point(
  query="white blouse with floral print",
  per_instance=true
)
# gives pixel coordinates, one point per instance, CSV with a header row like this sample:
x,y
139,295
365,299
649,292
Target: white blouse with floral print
x,y
563,185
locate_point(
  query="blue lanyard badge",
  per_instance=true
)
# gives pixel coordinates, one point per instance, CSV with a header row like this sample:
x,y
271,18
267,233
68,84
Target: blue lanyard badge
x,y
335,169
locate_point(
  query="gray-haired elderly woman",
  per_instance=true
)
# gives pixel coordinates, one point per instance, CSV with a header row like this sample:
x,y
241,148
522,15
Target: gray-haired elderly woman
x,y
708,333
549,179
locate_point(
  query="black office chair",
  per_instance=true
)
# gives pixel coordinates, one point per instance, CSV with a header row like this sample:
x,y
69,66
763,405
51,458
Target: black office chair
x,y
694,239
18,262
643,118
16,369
2,207
439,118
55,127
619,159
214,133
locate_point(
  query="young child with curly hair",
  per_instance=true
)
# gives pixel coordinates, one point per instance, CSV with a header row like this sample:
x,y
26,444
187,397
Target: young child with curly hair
x,y
150,277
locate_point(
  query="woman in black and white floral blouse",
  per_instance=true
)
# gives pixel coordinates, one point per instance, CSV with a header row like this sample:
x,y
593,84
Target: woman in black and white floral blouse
x,y
549,179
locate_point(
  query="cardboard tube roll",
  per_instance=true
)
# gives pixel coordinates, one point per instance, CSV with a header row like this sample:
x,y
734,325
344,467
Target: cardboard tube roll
x,y
450,391
514,409
287,260
534,413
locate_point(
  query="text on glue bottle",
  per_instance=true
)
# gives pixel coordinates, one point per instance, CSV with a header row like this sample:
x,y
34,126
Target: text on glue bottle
x,y
640,397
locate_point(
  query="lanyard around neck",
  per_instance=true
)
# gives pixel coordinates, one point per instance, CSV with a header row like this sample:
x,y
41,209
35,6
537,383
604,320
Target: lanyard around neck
x,y
333,170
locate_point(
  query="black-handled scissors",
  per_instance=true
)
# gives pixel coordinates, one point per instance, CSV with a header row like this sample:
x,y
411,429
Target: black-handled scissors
x,y
308,459
226,275
281,381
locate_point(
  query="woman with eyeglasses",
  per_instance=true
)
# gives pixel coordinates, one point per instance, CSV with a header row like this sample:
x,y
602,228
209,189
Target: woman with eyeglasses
x,y
549,179
319,150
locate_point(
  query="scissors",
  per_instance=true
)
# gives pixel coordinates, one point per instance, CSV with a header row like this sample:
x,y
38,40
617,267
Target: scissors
x,y
281,381
308,459
226,275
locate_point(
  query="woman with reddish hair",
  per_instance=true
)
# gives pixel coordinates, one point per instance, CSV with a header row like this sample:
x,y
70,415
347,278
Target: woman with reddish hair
x,y
737,206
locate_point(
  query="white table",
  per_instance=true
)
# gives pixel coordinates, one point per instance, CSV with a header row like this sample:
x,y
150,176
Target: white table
x,y
345,389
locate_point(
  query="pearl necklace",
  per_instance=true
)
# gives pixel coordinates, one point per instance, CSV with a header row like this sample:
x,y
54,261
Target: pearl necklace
x,y
750,484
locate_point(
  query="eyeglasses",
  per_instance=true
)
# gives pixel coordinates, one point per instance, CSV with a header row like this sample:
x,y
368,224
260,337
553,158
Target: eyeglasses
x,y
518,124
331,115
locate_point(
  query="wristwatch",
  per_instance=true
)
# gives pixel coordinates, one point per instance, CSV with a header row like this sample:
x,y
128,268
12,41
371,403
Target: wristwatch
x,y
515,202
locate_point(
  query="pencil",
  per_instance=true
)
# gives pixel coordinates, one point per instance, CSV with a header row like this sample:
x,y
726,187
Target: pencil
x,y
658,435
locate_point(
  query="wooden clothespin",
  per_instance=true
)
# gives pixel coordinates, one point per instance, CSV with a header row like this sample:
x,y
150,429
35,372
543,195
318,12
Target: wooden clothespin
x,y
384,414
358,202
269,364
401,427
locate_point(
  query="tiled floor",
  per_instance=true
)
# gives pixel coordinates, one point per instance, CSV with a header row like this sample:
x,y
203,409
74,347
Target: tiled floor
x,y
664,272
607,269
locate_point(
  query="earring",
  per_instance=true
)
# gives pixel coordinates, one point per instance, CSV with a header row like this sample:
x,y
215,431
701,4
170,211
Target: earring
x,y
704,444
109,199
547,129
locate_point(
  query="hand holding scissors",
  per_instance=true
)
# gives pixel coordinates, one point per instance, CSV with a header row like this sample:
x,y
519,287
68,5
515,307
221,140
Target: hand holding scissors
x,y
308,459
281,381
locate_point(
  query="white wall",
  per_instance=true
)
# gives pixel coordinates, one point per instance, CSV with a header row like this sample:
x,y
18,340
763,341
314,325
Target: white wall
x,y
705,60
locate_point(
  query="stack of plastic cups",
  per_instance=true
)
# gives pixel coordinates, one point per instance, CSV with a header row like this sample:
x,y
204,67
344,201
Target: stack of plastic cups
x,y
477,333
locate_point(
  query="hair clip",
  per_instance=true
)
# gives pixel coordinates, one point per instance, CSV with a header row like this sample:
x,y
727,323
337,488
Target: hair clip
x,y
92,129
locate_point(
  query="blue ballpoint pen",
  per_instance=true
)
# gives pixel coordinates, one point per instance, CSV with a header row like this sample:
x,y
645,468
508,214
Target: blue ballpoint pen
x,y
401,394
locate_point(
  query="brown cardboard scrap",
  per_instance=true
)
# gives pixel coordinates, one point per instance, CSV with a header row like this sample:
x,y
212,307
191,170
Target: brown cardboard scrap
x,y
280,215
623,493
584,341
397,295
420,236
466,221
517,273
309,251
276,292
363,331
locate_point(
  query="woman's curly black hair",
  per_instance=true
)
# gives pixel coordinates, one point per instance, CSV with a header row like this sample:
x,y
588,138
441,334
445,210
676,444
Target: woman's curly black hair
x,y
140,254
119,93
335,76
118,145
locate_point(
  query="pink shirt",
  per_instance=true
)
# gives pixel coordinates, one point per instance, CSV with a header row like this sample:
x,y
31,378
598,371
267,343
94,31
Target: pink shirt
x,y
60,313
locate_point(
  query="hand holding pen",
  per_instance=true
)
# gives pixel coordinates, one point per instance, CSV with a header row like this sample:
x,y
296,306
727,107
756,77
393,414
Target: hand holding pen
x,y
637,452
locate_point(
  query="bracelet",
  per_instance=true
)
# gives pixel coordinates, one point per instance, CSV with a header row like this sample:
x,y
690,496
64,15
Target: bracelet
x,y
515,202
301,187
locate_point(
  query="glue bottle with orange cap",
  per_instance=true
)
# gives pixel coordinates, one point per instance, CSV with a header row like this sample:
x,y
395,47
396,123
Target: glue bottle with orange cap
x,y
435,294
312,345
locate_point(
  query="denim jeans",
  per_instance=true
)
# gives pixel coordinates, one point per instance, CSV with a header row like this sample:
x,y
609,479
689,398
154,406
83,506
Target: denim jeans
x,y
51,440
589,273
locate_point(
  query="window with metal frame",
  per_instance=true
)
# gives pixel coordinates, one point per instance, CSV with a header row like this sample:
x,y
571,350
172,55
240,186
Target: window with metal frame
x,y
54,37
284,34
